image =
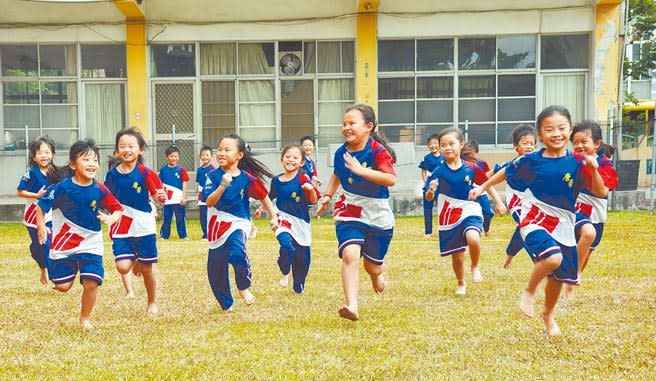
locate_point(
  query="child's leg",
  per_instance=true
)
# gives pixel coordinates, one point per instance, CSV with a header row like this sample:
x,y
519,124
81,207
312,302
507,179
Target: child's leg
x,y
286,256
473,238
203,219
516,243
551,294
165,230
39,253
487,221
428,216
217,274
88,301
126,279
350,281
458,264
541,270
180,221
150,283
375,271
300,267
587,235
241,265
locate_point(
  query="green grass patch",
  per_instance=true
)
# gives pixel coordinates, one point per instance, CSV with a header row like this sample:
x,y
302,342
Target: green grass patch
x,y
418,329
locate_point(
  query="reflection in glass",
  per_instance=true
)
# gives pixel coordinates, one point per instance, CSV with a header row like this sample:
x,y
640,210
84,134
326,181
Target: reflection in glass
x,y
18,60
476,87
57,60
565,52
103,61
173,60
476,53
396,55
396,112
435,54
516,52
435,87
396,88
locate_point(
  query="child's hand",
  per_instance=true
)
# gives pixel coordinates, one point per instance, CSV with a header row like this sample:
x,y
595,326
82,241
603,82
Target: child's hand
x,y
475,193
353,165
160,195
322,204
433,185
508,262
109,219
307,186
591,163
274,223
226,180
258,212
183,200
500,209
317,180
41,192
42,234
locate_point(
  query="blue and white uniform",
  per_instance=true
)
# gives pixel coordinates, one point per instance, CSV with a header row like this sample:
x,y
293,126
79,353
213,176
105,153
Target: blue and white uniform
x,y
228,228
591,209
457,215
201,180
548,207
77,242
362,213
32,181
133,237
309,167
428,164
484,200
172,178
514,193
294,231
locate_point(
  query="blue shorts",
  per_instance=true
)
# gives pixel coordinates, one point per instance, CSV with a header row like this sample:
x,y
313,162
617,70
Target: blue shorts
x,y
454,241
63,270
581,219
374,242
143,248
542,245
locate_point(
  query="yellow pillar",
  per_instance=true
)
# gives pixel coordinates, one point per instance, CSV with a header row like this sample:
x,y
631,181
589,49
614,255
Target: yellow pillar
x,y
135,50
366,56
607,53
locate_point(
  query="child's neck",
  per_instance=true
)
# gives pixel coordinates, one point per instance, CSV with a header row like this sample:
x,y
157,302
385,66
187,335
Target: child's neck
x,y
43,170
436,154
82,181
127,166
232,170
454,163
205,164
358,146
550,152
289,175
172,165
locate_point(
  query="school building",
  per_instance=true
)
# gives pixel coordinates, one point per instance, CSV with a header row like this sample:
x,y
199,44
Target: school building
x,y
272,71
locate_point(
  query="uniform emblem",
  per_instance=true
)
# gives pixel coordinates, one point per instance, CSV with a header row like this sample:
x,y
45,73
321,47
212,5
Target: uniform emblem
x,y
136,187
241,193
93,205
177,175
364,164
468,180
296,197
350,180
568,179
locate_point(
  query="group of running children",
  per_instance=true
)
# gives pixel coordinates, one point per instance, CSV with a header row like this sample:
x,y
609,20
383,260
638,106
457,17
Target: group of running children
x,y
557,198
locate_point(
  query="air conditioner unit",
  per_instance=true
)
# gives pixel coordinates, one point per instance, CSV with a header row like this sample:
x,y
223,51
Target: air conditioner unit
x,y
290,64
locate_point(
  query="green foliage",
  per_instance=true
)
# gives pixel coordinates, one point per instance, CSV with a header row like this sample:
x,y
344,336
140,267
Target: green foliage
x,y
642,24
417,329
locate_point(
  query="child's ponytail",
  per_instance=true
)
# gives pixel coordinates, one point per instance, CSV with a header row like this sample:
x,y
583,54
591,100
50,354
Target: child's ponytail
x,y
248,162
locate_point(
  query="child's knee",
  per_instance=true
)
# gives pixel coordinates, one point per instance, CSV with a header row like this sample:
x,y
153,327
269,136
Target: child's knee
x,y
124,266
588,233
63,287
89,284
554,261
146,269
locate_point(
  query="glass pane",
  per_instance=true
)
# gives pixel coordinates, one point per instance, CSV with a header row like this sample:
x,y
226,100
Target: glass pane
x,y
187,157
218,100
58,92
329,135
259,137
396,55
398,134
103,61
516,85
256,58
476,87
59,117
256,91
476,53
565,52
434,111
641,89
20,116
262,114
297,110
57,60
20,92
482,133
332,113
435,54
567,90
336,89
310,57
328,58
516,52
396,88
15,139
18,60
105,111
476,110
175,60
396,112
504,132
517,109
435,87
348,57
218,59
174,106
424,131
64,139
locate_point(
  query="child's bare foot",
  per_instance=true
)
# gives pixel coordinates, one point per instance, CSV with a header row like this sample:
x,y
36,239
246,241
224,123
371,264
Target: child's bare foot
x,y
248,297
427,236
85,324
477,277
347,313
129,294
527,304
508,262
284,281
550,325
153,309
569,293
461,290
44,277
378,283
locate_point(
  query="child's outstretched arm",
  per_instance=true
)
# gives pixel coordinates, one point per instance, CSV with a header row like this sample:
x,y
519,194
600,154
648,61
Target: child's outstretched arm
x,y
268,206
430,193
310,192
377,177
110,219
333,183
499,206
494,180
41,231
597,187
214,197
33,195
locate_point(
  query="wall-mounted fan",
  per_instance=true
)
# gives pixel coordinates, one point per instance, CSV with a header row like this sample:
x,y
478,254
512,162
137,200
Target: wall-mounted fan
x,y
290,63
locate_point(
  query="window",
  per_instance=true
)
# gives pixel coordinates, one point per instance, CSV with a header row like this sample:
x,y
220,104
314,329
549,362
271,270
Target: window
x,y
516,52
257,58
218,110
396,55
257,113
565,52
435,55
335,95
174,60
103,61
476,53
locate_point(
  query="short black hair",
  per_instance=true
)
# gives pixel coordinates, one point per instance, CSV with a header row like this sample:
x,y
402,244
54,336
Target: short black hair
x,y
522,130
433,137
205,148
170,150
308,137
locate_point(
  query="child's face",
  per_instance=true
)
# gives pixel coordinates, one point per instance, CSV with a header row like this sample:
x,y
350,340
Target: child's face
x,y
450,146
554,132
173,158
583,143
434,146
308,147
85,166
205,157
43,156
354,128
526,144
128,149
228,153
292,160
